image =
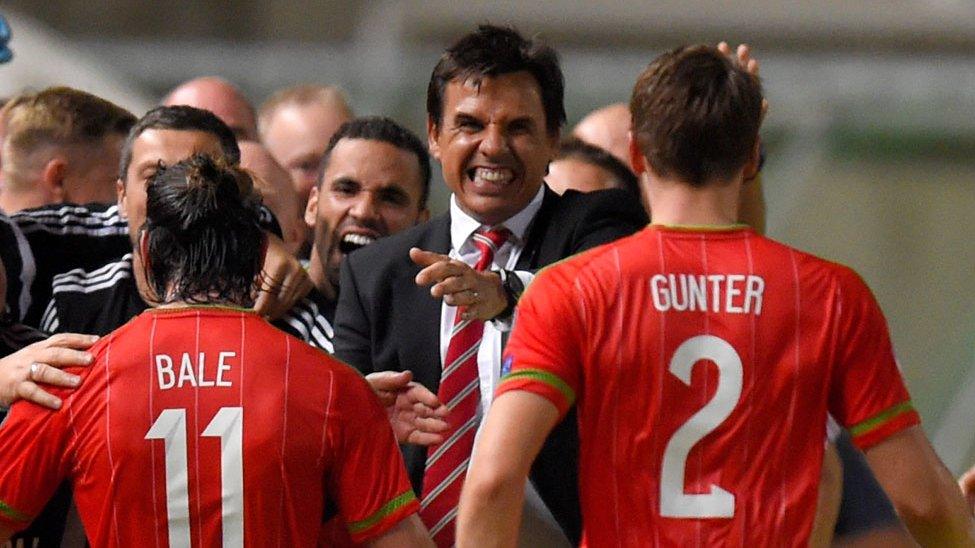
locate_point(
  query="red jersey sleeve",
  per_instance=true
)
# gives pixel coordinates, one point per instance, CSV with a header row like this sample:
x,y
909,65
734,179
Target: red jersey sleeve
x,y
34,460
368,480
868,394
544,354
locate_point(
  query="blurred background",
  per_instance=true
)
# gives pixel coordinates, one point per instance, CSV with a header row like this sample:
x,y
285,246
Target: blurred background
x,y
871,133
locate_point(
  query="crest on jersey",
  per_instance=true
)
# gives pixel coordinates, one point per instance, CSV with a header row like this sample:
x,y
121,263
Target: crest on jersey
x,y
506,365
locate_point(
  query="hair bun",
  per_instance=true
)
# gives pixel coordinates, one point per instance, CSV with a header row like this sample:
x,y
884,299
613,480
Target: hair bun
x,y
206,186
203,227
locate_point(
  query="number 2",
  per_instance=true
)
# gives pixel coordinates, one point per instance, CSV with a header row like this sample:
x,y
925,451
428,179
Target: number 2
x,y
228,425
718,503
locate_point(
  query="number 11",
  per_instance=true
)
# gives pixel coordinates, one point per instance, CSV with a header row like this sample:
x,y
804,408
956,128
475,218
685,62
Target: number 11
x,y
228,425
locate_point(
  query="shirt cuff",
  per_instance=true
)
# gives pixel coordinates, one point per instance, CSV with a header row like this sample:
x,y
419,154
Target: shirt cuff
x,y
504,324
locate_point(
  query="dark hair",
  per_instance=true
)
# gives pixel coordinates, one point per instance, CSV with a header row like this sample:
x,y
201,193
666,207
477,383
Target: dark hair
x,y
378,128
696,114
623,176
492,51
181,118
204,232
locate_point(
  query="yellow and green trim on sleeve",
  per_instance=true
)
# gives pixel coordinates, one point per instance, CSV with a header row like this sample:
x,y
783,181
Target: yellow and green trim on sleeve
x,y
871,431
12,515
541,382
383,519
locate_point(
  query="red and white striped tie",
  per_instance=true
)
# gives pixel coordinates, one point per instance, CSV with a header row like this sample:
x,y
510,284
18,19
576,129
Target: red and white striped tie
x,y
460,390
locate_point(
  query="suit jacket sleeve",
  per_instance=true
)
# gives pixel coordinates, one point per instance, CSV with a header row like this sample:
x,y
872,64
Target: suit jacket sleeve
x,y
353,339
611,215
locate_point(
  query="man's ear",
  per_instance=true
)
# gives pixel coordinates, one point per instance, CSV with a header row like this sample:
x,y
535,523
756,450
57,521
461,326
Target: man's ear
x,y
311,209
120,196
424,216
433,132
554,142
754,163
144,250
53,176
637,161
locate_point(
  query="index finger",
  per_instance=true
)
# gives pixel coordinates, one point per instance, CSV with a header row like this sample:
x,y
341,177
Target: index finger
x,y
421,394
440,271
426,258
389,381
78,341
744,54
61,357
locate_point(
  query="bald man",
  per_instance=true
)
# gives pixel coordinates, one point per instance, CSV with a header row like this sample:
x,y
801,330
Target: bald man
x,y
585,167
296,125
274,184
221,98
607,128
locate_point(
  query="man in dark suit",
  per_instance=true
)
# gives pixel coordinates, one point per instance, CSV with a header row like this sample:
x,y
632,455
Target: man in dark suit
x,y
438,300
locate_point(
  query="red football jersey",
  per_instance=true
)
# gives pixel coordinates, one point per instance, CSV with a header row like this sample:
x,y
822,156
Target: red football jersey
x,y
703,363
206,426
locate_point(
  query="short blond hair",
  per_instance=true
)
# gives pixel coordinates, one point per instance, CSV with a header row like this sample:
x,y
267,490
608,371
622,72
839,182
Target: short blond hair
x,y
58,117
329,97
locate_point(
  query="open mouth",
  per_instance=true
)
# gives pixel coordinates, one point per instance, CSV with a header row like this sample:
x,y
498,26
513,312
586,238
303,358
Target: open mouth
x,y
490,177
352,241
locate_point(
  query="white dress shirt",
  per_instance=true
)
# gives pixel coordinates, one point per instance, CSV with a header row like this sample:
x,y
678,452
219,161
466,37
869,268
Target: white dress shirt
x,y
538,527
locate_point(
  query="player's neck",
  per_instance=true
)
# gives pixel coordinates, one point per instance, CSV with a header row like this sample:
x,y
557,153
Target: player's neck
x,y
677,203
141,283
194,304
14,200
172,300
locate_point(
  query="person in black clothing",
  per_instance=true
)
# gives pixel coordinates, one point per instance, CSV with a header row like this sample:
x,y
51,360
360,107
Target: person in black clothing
x,y
584,167
29,363
28,358
97,298
18,269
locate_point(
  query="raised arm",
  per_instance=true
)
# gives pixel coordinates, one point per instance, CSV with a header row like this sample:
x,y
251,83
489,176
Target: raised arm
x,y
283,281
